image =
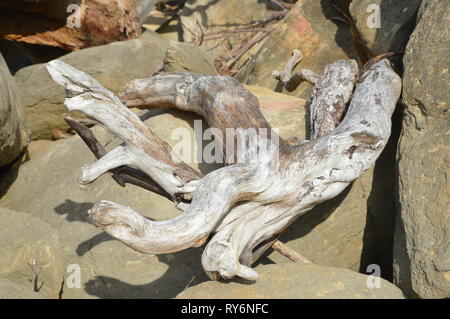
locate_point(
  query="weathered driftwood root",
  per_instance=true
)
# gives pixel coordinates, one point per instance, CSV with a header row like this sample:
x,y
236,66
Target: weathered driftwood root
x,y
125,174
249,202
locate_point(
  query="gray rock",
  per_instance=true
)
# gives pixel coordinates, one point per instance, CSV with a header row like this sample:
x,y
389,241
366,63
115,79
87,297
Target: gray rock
x,y
113,65
298,281
309,28
13,135
25,238
396,22
422,235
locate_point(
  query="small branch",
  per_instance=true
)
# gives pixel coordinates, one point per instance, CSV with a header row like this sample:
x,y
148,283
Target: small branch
x,y
240,50
285,75
34,276
273,17
292,81
289,252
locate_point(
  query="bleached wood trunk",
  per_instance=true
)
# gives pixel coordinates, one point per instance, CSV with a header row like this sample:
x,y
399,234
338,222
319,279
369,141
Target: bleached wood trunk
x,y
245,205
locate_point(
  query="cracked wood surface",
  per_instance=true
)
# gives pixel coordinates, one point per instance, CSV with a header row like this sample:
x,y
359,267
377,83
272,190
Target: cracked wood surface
x,y
243,204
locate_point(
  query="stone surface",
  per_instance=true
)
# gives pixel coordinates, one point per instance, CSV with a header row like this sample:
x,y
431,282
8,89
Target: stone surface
x,y
186,57
298,281
206,17
40,147
13,135
12,290
384,25
422,236
24,238
113,65
343,236
308,27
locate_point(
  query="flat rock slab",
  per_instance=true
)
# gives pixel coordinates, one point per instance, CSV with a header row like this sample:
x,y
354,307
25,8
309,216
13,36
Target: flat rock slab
x,y
297,281
25,238
12,290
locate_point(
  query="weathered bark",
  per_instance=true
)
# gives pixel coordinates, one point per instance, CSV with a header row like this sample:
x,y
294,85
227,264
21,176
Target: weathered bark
x,y
254,198
72,25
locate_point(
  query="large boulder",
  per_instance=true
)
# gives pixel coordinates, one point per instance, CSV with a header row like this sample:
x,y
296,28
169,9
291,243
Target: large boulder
x,y
25,238
384,25
113,65
13,135
298,281
309,28
422,242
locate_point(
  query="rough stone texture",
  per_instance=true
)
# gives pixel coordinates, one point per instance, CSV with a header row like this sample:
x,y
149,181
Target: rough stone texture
x,y
186,57
113,65
422,235
12,290
302,281
24,238
40,146
397,21
206,16
13,135
308,27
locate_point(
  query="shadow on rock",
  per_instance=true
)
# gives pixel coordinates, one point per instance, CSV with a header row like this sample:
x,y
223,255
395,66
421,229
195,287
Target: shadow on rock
x,y
75,212
185,270
378,240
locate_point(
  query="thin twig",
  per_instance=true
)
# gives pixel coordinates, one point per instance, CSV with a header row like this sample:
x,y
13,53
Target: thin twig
x,y
289,252
35,276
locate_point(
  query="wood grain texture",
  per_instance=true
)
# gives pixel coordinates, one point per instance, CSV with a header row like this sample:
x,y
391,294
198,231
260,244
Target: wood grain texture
x,y
245,204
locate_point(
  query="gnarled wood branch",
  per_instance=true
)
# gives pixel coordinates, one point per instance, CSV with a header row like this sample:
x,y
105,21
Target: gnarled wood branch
x,y
246,203
291,81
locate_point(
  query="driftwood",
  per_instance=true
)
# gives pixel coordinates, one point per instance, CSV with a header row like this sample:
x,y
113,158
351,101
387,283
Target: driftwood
x,y
264,186
72,24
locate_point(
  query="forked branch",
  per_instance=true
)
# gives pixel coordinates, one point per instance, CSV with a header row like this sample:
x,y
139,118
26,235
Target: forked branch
x,y
247,202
